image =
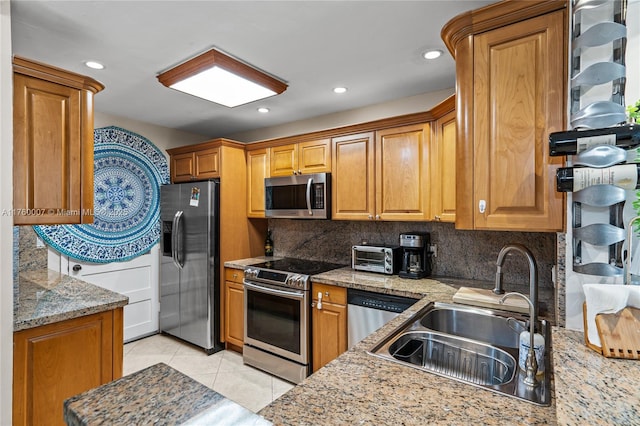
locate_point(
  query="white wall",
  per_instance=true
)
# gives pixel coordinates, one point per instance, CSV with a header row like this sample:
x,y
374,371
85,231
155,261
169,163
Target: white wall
x,y
6,222
162,137
412,104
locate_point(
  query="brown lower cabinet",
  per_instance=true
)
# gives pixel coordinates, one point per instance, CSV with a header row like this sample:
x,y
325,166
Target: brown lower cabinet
x,y
56,361
329,321
234,309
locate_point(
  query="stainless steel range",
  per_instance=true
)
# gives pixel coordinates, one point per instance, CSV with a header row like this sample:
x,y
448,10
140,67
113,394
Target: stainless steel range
x,y
277,316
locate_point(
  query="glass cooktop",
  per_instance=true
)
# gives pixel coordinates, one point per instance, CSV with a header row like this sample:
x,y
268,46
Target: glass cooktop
x,y
298,266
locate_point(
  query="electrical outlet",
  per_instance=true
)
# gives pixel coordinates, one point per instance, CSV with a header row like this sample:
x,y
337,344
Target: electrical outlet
x,y
433,248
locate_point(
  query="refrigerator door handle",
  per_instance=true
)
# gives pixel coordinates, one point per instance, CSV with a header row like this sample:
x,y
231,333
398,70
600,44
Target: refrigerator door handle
x,y
309,183
176,239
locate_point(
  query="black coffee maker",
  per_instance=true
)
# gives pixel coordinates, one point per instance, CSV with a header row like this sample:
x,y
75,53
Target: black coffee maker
x,y
416,258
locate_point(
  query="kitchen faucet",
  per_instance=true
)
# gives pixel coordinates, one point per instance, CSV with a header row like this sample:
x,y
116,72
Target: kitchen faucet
x,y
533,275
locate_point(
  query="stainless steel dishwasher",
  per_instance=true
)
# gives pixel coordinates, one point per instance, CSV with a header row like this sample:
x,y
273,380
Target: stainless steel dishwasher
x,y
368,311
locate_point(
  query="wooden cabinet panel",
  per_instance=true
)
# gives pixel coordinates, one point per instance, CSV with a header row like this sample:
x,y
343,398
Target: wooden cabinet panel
x,y
301,158
56,361
443,168
329,338
53,145
352,177
197,165
234,311
207,163
510,96
257,171
182,167
314,156
402,181
284,160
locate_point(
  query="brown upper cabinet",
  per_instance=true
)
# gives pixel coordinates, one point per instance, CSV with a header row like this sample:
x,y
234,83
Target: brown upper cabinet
x,y
442,151
381,175
301,158
511,69
199,164
52,144
257,171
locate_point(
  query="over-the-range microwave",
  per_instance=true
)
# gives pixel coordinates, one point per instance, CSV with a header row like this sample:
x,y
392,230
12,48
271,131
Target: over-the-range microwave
x,y
298,196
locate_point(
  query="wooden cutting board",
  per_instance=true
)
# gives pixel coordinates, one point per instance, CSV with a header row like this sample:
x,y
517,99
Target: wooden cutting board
x,y
620,333
488,299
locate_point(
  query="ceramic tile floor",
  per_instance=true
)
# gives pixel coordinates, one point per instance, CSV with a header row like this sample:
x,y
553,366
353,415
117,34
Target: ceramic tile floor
x,y
223,371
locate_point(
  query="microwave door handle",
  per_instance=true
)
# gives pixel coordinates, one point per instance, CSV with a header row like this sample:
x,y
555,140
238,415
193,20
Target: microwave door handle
x,y
309,183
176,239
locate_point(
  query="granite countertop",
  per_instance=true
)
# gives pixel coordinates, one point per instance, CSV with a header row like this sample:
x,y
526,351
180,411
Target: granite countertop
x,y
158,395
359,388
46,296
592,389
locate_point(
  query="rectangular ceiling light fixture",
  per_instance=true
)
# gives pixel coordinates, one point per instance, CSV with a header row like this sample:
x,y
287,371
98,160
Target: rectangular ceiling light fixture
x,y
222,79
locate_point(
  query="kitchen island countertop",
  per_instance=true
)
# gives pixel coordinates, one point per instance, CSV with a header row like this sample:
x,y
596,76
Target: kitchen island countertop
x,y
46,296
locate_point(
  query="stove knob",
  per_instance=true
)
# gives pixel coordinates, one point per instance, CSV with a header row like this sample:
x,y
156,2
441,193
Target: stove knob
x,y
300,282
291,279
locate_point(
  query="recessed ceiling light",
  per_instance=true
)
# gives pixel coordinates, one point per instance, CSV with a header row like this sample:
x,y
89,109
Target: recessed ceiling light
x,y
432,54
95,65
339,89
263,110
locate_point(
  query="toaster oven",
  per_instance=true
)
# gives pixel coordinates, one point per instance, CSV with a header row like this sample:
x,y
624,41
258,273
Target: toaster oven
x,y
382,259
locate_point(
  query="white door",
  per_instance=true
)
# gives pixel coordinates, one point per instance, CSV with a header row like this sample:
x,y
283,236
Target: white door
x,y
137,279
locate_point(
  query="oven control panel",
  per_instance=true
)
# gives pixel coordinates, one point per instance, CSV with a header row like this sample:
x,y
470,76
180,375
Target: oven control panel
x,y
291,280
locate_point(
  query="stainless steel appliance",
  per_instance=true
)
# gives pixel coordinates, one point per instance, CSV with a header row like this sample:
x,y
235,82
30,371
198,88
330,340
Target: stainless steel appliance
x,y
382,259
277,316
368,311
416,258
298,196
189,283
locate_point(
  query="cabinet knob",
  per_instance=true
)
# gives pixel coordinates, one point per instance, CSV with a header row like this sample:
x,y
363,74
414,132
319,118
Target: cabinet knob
x,y
377,217
437,217
235,275
299,172
370,217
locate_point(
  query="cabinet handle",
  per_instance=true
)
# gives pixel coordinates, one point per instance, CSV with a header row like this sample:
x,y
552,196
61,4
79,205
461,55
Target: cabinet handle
x,y
319,300
482,206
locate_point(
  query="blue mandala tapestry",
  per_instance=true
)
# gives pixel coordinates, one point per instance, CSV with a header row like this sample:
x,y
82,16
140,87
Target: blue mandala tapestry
x,y
128,172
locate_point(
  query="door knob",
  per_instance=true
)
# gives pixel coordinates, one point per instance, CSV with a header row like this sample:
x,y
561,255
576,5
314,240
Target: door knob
x,y
76,268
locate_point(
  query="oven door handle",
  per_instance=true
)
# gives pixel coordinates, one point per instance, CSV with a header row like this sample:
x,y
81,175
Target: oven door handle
x,y
309,183
273,291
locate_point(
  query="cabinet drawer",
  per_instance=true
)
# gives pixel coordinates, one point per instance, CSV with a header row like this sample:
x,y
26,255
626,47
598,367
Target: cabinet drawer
x,y
234,275
330,293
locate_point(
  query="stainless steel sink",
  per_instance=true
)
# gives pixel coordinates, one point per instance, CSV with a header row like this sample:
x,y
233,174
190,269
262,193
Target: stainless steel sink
x,y
471,345
475,324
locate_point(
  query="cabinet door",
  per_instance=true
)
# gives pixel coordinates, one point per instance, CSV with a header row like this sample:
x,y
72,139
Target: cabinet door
x,y
329,324
518,100
352,181
402,180
257,171
207,163
443,168
234,310
47,170
314,156
56,361
182,167
284,160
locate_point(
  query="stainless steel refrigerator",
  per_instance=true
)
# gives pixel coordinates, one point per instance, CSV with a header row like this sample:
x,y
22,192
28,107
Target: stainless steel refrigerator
x,y
189,274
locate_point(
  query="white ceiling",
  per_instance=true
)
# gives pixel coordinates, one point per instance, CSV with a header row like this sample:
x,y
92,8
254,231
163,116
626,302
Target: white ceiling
x,y
372,47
